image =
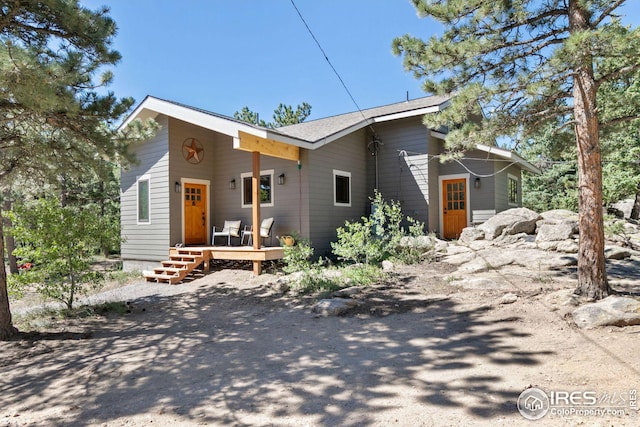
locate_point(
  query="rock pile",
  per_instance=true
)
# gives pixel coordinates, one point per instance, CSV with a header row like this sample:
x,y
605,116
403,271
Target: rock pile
x,y
555,230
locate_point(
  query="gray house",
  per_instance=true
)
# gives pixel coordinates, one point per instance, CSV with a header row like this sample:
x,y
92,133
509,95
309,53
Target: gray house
x,y
196,173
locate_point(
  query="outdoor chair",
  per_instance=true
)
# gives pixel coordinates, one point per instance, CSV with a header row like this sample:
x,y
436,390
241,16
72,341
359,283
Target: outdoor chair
x,y
265,231
229,229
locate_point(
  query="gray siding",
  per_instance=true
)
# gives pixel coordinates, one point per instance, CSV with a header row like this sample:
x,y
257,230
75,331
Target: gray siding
x,y
148,242
180,169
403,167
433,148
481,198
349,155
501,186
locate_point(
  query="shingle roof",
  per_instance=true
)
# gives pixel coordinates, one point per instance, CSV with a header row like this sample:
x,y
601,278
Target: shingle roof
x,y
316,130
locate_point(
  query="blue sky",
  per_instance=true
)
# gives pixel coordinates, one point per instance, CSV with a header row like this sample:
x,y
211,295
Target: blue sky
x,y
221,55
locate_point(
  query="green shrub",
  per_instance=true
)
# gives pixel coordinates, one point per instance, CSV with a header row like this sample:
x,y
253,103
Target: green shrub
x,y
60,242
379,236
298,256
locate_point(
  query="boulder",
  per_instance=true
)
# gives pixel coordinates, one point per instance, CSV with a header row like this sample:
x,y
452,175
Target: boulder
x,y
477,265
563,297
555,232
422,242
625,206
547,246
457,249
611,311
616,252
282,285
508,299
559,215
567,246
512,221
334,306
458,258
440,246
349,292
470,234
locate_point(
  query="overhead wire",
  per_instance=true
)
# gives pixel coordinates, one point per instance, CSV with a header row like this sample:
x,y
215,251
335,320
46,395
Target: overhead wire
x,y
326,57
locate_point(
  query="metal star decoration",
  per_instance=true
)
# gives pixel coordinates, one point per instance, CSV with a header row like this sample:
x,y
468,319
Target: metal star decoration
x,y
192,150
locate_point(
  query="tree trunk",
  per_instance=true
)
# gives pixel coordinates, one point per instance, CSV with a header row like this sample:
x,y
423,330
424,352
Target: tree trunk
x,y
7,330
635,211
10,242
592,274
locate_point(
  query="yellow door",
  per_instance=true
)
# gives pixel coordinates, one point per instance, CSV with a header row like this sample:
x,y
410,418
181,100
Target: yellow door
x,y
195,214
454,212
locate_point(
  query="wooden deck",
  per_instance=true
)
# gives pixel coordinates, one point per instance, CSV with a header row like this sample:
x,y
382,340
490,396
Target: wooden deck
x,y
183,261
238,253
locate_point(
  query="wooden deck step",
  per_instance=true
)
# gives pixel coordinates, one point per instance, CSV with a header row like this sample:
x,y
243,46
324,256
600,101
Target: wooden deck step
x,y
183,257
168,270
160,278
182,264
196,252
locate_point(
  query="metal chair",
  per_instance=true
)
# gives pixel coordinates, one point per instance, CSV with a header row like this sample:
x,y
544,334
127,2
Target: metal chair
x,y
265,231
229,229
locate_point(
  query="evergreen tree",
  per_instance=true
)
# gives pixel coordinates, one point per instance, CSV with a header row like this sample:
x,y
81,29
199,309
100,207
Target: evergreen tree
x,y
284,115
53,120
553,151
529,63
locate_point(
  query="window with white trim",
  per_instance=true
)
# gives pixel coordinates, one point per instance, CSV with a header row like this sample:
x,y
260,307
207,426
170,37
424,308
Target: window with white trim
x,y
512,190
143,199
266,188
341,188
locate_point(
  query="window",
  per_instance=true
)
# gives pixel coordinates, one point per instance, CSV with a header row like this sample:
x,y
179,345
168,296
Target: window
x,y
143,200
341,188
266,188
512,190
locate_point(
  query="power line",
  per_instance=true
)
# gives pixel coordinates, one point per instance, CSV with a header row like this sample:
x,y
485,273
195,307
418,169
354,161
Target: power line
x,y
326,57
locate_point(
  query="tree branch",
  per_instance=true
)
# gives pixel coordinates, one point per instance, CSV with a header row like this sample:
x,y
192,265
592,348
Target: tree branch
x,y
606,12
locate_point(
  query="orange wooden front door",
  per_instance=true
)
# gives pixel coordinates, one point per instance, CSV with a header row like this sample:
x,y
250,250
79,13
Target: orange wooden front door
x,y
195,214
454,203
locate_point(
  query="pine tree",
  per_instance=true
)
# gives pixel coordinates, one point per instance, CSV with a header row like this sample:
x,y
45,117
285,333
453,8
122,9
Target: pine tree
x,y
53,120
284,115
529,63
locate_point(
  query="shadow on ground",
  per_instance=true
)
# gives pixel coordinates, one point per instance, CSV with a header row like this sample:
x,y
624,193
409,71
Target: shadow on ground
x,y
220,355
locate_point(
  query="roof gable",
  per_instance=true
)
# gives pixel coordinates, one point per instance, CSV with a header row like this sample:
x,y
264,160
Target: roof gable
x,y
322,131
311,134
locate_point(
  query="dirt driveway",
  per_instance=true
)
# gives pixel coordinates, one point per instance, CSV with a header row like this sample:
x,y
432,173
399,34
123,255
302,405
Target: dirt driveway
x,y
228,350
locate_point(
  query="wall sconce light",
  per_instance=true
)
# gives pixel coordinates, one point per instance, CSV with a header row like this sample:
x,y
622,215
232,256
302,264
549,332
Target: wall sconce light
x,y
281,179
232,184
476,183
177,187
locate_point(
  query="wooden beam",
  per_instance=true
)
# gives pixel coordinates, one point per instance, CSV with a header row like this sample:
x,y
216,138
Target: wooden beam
x,y
255,198
268,147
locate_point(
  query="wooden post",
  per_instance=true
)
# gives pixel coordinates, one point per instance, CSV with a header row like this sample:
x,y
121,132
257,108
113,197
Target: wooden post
x,y
255,187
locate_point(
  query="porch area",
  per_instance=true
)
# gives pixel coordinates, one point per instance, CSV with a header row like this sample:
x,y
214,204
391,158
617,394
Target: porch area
x,y
183,261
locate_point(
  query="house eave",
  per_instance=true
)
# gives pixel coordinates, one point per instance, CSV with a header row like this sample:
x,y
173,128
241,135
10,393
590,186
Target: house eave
x,y
509,155
410,113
